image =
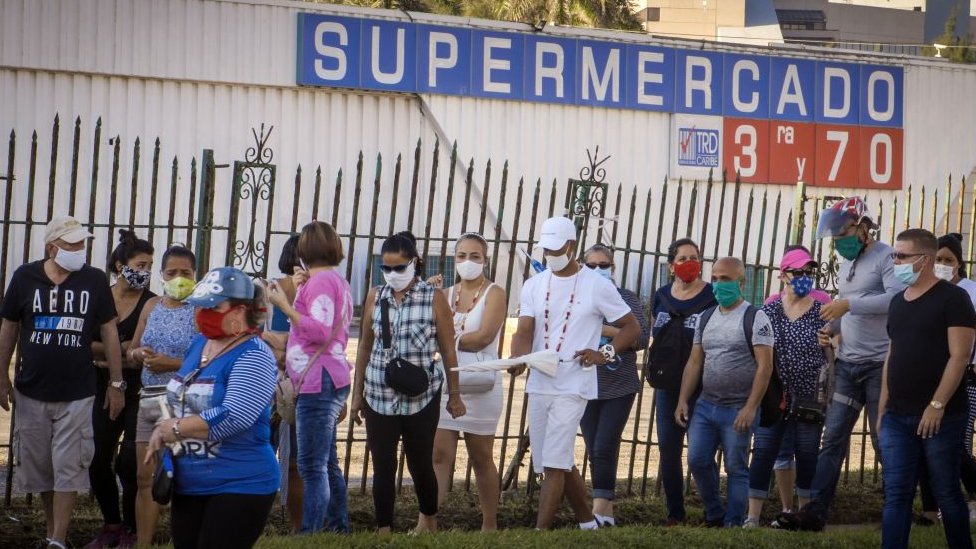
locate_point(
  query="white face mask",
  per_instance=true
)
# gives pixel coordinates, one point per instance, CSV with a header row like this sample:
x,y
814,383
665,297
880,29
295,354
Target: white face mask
x,y
70,261
399,281
945,272
469,270
557,262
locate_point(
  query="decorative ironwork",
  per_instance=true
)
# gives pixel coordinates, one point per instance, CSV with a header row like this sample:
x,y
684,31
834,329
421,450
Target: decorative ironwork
x,y
588,194
254,182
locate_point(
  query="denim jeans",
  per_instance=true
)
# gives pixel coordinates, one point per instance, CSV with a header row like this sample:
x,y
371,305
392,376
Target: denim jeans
x,y
670,441
316,420
337,516
711,427
603,424
766,451
901,449
856,386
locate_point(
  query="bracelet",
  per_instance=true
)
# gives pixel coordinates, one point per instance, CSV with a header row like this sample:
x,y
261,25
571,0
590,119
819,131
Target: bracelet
x,y
176,430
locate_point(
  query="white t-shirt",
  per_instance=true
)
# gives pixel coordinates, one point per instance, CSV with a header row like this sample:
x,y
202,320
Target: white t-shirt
x,y
970,287
596,299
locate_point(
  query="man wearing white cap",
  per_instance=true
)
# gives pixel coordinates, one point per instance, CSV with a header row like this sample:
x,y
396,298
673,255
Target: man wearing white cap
x,y
563,309
52,309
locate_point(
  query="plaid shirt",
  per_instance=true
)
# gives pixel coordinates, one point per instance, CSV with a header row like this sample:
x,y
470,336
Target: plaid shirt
x,y
414,338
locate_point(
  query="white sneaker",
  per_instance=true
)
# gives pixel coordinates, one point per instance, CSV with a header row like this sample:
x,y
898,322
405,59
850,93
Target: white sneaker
x,y
750,523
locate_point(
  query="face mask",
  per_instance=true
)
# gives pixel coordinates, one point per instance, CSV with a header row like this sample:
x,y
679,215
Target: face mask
x,y
605,273
178,288
469,270
137,280
849,247
210,323
557,262
945,272
687,271
905,273
399,281
802,285
70,261
727,292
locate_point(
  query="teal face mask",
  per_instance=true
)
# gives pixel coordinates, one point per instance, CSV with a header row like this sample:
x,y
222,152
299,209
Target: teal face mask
x,y
849,247
727,292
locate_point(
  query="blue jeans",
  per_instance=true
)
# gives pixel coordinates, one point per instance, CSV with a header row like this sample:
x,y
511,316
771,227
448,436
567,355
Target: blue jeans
x,y
711,427
670,441
856,386
603,424
337,515
766,451
902,449
317,415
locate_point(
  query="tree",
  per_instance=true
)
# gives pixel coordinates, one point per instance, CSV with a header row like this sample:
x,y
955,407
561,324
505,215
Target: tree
x,y
959,49
607,14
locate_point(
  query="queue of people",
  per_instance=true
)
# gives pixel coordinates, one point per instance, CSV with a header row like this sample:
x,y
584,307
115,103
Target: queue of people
x,y
241,384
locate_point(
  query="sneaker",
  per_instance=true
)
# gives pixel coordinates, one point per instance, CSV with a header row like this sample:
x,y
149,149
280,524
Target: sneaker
x,y
55,544
972,511
673,522
750,523
127,539
716,523
803,519
108,538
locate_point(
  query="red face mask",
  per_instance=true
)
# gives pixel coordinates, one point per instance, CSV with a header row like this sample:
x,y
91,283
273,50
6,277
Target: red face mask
x,y
210,323
687,271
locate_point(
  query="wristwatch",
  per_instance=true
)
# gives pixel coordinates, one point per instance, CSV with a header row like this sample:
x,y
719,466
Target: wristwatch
x,y
936,404
608,352
121,385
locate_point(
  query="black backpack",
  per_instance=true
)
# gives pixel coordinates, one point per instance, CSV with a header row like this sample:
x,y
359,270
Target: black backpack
x,y
773,404
669,352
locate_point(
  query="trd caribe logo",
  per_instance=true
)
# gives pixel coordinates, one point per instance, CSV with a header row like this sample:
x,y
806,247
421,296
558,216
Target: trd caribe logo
x,y
698,147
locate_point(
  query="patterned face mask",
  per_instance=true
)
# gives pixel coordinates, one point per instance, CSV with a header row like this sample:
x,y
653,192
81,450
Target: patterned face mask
x,y
137,280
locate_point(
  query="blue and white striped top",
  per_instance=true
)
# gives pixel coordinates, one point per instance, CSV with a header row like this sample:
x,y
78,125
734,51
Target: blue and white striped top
x,y
233,395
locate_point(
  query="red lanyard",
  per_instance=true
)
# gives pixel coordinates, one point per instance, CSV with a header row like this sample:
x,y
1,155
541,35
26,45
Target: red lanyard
x,y
457,305
569,312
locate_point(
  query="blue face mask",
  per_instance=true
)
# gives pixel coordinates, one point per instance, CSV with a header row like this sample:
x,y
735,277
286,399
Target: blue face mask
x,y
802,285
905,273
605,273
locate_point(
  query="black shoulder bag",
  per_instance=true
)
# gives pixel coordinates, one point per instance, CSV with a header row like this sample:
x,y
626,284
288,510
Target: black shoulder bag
x,y
665,359
401,376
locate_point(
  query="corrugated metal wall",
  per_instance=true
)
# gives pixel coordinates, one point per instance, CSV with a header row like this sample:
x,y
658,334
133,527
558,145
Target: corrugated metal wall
x,y
201,73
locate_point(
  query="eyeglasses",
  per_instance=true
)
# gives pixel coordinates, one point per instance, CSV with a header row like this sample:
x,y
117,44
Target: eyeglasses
x,y
395,268
595,266
902,257
802,272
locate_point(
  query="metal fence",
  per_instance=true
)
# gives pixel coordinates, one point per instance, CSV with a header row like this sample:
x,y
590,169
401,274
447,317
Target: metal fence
x,y
438,196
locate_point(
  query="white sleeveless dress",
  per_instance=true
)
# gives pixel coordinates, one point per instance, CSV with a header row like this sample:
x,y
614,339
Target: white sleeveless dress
x,y
483,409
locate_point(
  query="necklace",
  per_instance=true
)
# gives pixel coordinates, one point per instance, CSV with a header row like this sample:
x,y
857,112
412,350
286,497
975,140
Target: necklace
x,y
205,357
457,306
569,312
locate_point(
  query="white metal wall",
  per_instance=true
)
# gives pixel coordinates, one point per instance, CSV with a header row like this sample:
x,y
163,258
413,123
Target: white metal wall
x,y
201,73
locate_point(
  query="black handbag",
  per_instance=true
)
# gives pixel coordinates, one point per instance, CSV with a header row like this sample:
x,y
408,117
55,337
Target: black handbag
x,y
163,481
401,375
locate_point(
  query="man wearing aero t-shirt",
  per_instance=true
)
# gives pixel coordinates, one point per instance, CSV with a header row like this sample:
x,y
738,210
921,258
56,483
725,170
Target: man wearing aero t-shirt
x,y
563,309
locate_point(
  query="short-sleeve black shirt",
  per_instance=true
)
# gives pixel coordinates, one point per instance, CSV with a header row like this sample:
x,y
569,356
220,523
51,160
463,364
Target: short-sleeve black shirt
x,y
57,326
920,346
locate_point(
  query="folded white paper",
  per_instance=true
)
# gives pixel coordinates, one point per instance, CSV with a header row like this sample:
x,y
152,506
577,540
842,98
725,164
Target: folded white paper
x,y
546,362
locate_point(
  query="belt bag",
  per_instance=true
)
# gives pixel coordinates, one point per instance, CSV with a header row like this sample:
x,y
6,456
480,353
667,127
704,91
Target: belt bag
x,y
401,375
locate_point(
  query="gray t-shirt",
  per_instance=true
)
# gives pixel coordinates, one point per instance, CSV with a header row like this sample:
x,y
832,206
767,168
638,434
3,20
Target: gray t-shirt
x,y
729,364
863,331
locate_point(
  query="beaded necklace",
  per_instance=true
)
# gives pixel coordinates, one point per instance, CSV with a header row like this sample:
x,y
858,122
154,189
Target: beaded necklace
x,y
569,312
457,305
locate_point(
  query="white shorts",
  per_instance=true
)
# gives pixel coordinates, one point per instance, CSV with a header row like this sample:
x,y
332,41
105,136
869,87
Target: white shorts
x,y
553,423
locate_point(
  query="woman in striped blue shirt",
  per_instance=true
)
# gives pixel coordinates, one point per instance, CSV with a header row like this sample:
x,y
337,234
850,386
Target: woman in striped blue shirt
x,y
226,473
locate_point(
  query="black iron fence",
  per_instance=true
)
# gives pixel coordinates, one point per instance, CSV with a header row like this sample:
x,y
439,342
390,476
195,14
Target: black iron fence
x,y
241,216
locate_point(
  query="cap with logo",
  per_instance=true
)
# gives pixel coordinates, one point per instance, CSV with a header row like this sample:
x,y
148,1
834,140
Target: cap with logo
x,y
556,232
219,285
842,214
65,228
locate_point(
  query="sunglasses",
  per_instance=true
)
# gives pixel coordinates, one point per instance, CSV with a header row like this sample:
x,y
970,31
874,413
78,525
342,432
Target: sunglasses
x,y
902,257
595,266
395,268
801,272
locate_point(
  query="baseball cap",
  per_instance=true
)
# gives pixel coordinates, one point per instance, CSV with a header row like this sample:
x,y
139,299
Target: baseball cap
x,y
556,232
219,285
65,228
835,219
796,259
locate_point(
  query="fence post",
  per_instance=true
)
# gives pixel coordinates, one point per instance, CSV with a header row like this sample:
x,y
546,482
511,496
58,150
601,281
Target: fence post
x,y
208,175
799,198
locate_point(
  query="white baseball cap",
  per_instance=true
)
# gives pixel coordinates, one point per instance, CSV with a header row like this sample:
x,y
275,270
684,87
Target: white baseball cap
x,y
556,232
65,228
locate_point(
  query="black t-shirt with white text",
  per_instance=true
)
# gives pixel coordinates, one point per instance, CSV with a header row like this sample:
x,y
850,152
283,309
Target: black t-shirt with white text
x,y
57,325
919,332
